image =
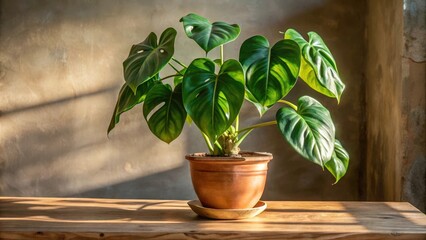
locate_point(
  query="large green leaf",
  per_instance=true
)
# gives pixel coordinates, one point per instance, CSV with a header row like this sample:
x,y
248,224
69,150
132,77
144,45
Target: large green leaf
x,y
147,58
270,72
318,68
127,99
209,35
309,129
213,101
339,162
164,112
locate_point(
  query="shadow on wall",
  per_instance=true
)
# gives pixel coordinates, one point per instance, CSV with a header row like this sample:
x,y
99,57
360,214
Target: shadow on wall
x,y
51,160
39,147
56,103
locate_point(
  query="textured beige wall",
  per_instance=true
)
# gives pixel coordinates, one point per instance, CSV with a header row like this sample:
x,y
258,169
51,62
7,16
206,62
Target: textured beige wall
x,y
61,69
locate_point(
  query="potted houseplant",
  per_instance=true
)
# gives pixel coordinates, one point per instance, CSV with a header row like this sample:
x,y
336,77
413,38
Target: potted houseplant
x,y
210,93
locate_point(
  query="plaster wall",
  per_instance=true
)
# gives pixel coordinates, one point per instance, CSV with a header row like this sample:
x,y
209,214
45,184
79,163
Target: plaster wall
x,y
61,70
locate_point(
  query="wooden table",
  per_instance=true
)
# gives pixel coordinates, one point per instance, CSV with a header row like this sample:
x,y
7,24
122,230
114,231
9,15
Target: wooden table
x,y
84,218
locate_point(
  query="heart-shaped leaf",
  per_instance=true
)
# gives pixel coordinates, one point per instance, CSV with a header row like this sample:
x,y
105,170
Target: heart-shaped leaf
x,y
127,99
270,72
164,112
318,68
339,162
309,130
213,101
209,35
147,58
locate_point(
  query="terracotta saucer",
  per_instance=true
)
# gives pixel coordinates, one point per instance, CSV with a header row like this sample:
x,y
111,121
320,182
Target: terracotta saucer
x,y
226,213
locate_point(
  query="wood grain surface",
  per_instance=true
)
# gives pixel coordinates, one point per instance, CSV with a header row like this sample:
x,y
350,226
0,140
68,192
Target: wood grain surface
x,y
85,218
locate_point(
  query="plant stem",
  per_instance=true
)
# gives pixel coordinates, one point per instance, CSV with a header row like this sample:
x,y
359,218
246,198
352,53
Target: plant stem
x,y
289,104
237,122
170,76
241,139
221,54
248,130
209,144
178,62
265,124
174,68
218,150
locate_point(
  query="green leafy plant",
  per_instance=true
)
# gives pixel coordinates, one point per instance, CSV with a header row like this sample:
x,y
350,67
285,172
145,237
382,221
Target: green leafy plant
x,y
210,93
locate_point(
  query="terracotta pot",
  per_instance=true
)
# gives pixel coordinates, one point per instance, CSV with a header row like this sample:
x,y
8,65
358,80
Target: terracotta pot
x,y
229,182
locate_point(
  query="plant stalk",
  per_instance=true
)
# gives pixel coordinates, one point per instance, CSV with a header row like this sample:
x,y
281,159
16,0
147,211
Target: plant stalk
x,y
289,104
179,62
209,144
265,124
170,76
221,54
174,68
241,139
217,149
246,131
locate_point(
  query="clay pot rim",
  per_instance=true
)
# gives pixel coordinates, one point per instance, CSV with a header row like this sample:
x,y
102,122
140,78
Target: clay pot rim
x,y
246,156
